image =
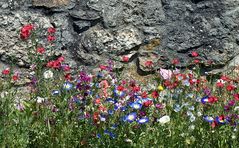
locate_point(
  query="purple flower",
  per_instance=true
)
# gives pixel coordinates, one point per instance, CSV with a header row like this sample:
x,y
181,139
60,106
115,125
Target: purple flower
x,y
231,103
227,108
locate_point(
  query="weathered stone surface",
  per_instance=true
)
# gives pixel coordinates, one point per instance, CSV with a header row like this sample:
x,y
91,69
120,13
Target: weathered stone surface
x,y
50,3
95,30
11,47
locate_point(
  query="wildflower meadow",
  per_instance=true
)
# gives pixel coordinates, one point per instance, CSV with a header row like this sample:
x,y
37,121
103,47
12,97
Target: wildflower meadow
x,y
69,107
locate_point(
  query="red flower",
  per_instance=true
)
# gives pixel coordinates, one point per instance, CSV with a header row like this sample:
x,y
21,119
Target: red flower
x,y
225,78
6,71
167,83
125,59
41,50
175,61
50,38
103,67
120,88
212,99
155,94
148,103
26,31
56,65
148,63
136,88
66,68
220,84
194,54
196,61
214,124
15,77
61,59
231,87
68,77
97,101
236,97
144,94
96,116
51,30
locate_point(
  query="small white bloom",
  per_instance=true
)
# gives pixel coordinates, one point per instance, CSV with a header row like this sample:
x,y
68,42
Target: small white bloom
x,y
191,127
48,74
192,118
128,140
234,136
199,114
164,119
40,100
236,108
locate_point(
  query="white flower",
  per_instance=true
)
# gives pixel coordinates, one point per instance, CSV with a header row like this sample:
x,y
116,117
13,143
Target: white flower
x,y
48,74
164,119
191,127
199,114
128,140
236,108
40,100
192,118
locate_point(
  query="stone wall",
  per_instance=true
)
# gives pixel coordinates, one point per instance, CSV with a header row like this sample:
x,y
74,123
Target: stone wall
x,y
91,31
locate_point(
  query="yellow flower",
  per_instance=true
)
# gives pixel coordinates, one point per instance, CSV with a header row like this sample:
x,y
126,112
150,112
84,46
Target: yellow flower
x,y
160,88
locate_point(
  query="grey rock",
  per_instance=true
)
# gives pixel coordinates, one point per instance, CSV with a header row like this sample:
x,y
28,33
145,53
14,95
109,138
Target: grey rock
x,y
95,30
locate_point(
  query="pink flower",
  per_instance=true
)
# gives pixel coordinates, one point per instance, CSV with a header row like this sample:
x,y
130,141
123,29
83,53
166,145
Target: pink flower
x,y
166,74
51,38
41,50
125,58
148,63
25,31
194,54
175,61
6,71
51,30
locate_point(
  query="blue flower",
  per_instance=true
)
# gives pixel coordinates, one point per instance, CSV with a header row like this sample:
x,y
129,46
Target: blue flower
x,y
204,100
110,100
208,119
116,107
112,135
106,132
98,136
100,75
143,120
118,93
177,108
111,112
55,92
123,108
67,86
221,120
131,117
114,126
135,105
